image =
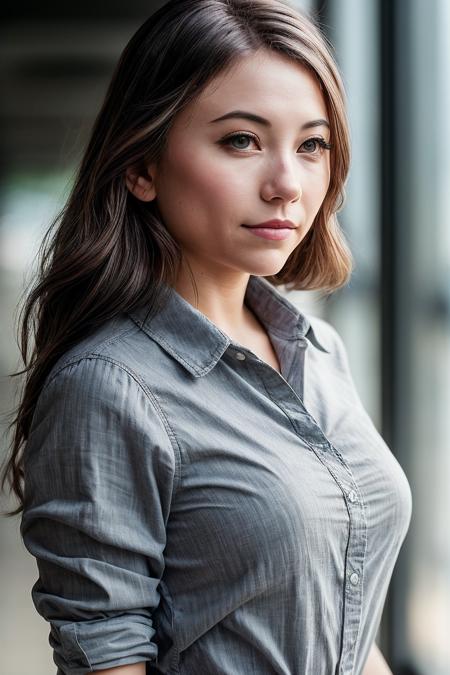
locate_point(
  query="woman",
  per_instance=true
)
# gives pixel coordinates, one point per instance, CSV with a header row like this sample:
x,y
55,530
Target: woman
x,y
204,492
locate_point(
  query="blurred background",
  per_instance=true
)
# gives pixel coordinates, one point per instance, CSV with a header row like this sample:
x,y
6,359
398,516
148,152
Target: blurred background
x,y
394,316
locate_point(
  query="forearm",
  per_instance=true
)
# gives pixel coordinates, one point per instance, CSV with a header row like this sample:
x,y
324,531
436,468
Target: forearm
x,y
376,664
132,669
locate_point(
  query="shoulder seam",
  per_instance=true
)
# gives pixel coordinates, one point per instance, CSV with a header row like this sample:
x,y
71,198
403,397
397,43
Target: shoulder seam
x,y
97,356
104,342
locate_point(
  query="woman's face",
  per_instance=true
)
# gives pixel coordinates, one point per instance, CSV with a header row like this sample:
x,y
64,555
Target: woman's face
x,y
218,176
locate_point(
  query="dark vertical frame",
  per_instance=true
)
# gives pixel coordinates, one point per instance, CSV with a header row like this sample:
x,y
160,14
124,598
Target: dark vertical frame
x,y
396,283
389,282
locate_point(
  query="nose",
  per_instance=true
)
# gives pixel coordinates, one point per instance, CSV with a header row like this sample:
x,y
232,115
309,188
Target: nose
x,y
282,182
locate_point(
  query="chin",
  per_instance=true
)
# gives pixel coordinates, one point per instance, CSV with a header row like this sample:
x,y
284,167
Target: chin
x,y
268,269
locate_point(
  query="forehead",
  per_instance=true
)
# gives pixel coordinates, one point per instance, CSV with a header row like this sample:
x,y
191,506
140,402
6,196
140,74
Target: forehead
x,y
263,82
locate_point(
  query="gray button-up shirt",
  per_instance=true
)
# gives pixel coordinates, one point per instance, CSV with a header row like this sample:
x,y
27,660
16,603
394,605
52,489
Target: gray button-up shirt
x,y
190,507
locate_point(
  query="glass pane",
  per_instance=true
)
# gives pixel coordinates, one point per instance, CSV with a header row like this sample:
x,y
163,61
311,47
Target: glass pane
x,y
352,27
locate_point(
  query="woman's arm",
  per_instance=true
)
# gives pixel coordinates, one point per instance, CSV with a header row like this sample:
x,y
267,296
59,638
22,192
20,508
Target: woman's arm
x,y
376,664
99,477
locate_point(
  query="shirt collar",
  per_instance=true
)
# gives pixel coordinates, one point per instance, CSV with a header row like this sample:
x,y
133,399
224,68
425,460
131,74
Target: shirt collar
x,y
197,343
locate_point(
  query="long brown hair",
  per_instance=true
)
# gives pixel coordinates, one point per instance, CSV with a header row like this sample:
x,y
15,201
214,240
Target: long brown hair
x,y
106,252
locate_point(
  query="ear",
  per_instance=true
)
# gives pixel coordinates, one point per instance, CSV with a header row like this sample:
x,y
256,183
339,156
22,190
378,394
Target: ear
x,y
142,187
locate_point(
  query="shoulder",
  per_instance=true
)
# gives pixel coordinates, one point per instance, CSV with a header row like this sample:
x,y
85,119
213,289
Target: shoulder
x,y
116,346
329,337
100,377
94,406
335,367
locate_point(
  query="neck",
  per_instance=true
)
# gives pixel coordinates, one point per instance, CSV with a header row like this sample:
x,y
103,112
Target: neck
x,y
220,297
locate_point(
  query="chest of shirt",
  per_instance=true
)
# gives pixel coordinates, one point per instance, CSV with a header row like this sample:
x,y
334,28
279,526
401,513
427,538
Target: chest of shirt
x,y
265,478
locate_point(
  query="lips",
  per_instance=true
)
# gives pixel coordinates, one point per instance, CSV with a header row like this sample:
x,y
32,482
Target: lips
x,y
275,224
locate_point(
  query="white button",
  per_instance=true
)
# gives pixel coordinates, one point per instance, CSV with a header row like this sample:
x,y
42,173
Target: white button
x,y
354,578
352,496
240,356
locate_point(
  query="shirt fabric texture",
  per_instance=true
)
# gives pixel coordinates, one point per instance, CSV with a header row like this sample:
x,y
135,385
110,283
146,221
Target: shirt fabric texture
x,y
190,507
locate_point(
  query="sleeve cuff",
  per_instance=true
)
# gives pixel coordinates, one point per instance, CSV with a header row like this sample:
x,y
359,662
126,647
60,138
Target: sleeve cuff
x,y
86,646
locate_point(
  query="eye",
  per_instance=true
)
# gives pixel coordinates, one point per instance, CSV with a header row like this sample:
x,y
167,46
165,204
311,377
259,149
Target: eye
x,y
241,137
318,143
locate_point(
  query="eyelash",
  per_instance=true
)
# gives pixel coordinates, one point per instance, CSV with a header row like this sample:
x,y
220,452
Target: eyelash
x,y
319,140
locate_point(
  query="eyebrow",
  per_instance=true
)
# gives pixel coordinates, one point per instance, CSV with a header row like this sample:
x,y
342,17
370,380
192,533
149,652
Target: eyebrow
x,y
242,114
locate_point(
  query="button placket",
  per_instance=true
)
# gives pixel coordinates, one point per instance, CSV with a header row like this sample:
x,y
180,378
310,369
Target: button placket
x,y
353,581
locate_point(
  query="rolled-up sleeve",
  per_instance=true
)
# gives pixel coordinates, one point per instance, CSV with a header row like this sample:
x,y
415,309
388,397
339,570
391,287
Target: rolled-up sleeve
x,y
100,468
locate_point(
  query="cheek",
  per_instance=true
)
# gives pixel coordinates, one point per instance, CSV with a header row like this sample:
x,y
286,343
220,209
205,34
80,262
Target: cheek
x,y
314,193
193,192
215,184
318,184
200,178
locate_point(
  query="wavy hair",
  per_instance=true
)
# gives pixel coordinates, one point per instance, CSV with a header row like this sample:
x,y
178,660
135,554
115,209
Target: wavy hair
x,y
106,252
